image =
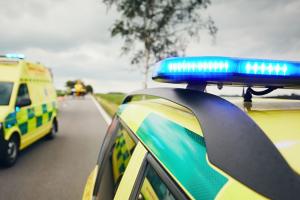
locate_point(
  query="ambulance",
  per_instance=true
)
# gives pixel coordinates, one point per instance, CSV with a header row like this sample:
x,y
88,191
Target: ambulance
x,y
28,106
186,143
79,88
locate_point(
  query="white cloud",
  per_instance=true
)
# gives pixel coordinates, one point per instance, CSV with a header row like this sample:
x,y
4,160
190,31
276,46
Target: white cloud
x,y
259,29
72,37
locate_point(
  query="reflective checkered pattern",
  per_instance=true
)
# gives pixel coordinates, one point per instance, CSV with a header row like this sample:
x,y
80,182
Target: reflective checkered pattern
x,y
122,150
28,119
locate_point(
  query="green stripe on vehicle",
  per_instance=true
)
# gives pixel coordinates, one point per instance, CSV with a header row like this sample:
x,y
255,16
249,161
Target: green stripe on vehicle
x,y
39,121
183,153
49,116
30,118
30,113
11,120
23,128
44,108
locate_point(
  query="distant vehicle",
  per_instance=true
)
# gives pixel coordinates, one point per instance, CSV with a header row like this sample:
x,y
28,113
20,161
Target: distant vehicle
x,y
71,91
28,106
189,144
79,89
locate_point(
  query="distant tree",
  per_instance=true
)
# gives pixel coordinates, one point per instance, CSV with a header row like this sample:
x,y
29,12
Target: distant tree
x,y
89,89
70,84
159,28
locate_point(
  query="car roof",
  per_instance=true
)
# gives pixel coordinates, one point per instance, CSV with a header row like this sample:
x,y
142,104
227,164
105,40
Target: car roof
x,y
155,115
279,119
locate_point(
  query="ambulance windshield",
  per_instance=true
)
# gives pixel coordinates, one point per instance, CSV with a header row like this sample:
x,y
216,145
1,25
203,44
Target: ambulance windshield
x,y
5,92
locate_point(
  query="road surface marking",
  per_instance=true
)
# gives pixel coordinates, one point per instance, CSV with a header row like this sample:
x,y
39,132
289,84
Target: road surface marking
x,y
104,114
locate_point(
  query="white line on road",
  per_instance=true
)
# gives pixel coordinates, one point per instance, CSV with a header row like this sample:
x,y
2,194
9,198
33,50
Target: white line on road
x,y
106,117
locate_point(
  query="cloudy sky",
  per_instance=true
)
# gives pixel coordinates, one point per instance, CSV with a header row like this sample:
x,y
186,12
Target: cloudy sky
x,y
72,37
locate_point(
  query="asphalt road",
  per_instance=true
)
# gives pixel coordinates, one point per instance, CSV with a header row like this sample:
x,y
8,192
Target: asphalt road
x,y
58,169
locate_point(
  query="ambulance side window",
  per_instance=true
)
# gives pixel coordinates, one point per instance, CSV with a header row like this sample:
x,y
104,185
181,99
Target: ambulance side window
x,y
153,187
121,153
115,165
155,183
23,98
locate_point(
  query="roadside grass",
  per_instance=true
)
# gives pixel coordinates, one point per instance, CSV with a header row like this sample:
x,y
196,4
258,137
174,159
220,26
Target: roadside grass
x,y
60,93
110,101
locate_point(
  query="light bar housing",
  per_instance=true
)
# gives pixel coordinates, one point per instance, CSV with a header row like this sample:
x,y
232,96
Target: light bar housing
x,y
229,71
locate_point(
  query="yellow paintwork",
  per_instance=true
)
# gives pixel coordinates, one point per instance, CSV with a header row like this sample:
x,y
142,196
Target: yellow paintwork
x,y
79,87
90,184
3,111
283,128
9,70
136,112
147,191
121,150
233,190
131,173
279,119
41,91
26,141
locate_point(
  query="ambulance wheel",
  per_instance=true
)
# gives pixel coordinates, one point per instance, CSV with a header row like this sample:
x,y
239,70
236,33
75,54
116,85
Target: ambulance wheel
x,y
53,131
11,152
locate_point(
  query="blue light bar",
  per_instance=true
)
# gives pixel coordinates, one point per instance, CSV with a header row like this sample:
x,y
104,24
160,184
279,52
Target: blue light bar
x,y
15,56
228,70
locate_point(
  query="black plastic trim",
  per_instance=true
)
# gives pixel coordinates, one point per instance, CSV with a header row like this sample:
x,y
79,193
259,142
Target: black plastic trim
x,y
129,131
105,151
235,143
150,161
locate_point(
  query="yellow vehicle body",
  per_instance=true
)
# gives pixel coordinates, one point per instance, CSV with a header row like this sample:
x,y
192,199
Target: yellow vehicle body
x,y
79,89
31,122
190,144
279,123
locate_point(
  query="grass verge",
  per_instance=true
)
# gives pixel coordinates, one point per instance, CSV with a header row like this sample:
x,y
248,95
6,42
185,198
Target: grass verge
x,y
110,101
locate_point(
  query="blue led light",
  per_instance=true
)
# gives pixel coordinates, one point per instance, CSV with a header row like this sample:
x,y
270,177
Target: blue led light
x,y
13,55
218,69
266,68
203,65
206,66
18,109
